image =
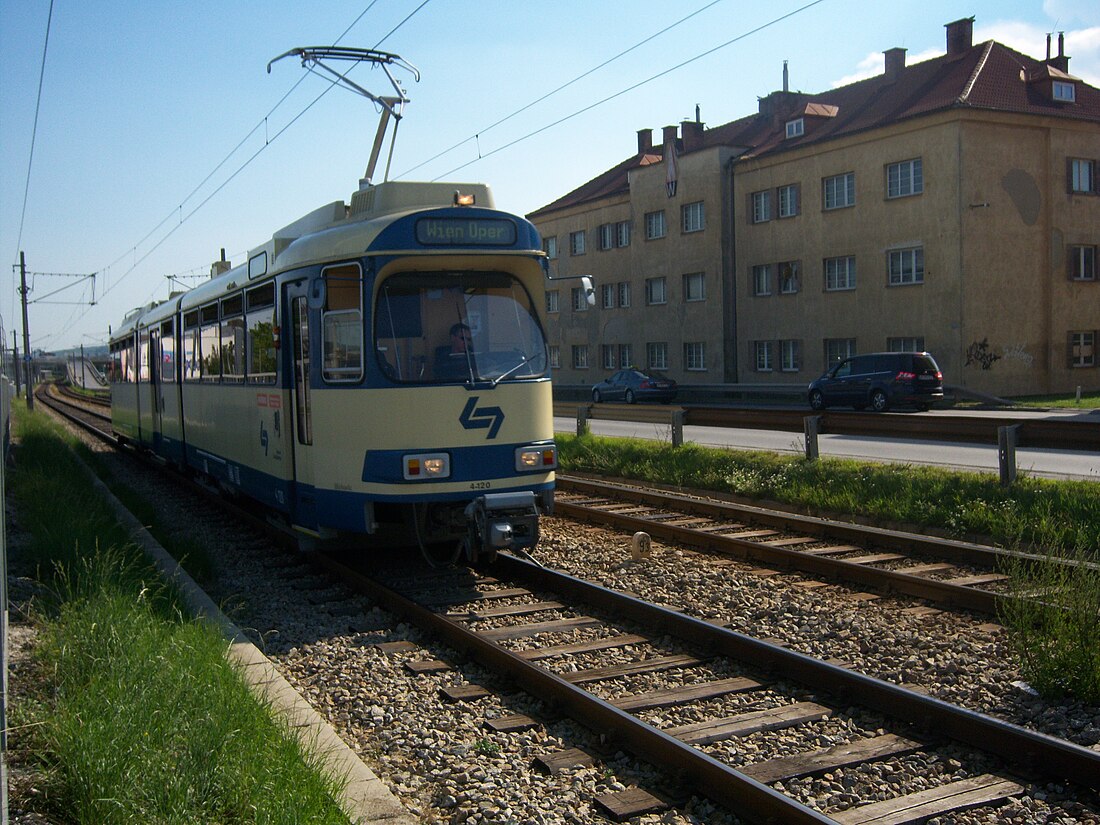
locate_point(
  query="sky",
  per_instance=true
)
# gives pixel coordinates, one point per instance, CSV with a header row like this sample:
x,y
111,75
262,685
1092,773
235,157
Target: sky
x,y
152,136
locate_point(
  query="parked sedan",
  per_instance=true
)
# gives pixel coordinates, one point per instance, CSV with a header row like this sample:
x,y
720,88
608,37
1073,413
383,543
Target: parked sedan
x,y
635,385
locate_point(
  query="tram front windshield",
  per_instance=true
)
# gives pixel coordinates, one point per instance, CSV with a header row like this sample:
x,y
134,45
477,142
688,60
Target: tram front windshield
x,y
457,327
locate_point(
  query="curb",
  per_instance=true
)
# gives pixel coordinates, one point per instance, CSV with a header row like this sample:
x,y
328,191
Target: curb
x,y
365,798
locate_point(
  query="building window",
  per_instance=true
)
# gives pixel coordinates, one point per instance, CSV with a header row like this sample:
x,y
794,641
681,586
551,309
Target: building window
x,y
837,349
580,299
607,356
790,355
761,206
904,179
555,357
1082,263
580,356
695,356
1082,176
607,296
906,266
762,279
655,291
607,236
796,128
552,299
695,287
576,243
840,273
762,355
624,293
622,234
905,344
656,355
550,247
788,197
1065,92
1082,349
654,225
790,277
693,216
626,355
840,190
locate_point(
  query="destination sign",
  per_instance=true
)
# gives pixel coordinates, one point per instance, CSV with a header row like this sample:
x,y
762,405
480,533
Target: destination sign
x,y
466,231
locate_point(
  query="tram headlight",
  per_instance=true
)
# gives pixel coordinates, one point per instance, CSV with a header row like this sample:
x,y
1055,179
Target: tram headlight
x,y
536,457
424,466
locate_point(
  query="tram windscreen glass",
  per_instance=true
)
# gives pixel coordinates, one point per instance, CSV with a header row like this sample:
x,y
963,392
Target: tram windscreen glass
x,y
457,327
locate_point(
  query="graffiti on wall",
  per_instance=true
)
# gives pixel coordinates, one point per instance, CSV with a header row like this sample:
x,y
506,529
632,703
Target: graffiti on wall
x,y
979,353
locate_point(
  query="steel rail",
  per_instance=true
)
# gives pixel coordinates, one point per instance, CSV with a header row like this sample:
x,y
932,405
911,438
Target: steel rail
x,y
1043,754
749,798
1043,433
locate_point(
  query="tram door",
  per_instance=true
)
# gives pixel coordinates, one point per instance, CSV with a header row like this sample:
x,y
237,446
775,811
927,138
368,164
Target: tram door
x,y
297,311
156,400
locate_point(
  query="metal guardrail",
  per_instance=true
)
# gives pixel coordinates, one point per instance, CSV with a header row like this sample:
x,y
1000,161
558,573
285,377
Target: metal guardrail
x,y
1006,433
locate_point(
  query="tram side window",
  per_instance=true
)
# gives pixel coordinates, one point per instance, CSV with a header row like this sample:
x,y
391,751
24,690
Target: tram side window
x,y
168,352
342,328
211,359
122,360
143,356
233,338
192,353
260,319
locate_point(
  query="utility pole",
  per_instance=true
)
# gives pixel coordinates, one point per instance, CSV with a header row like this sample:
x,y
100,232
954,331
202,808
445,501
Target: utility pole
x,y
26,332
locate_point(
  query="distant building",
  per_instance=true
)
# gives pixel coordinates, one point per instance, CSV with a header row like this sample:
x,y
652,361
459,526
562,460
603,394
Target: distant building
x,y
950,206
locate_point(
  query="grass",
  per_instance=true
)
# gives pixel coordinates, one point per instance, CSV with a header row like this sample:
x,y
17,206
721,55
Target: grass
x,y
1054,515
1089,400
139,717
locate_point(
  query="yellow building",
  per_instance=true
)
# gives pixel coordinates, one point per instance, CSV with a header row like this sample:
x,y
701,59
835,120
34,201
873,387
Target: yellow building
x,y
951,206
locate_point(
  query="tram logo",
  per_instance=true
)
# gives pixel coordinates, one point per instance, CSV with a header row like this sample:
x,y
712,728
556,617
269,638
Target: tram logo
x,y
489,418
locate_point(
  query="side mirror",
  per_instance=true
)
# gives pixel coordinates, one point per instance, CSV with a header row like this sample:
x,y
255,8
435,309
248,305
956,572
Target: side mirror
x,y
316,297
589,290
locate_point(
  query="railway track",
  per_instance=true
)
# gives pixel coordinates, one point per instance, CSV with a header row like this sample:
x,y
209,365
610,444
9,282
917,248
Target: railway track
x,y
958,574
581,648
588,652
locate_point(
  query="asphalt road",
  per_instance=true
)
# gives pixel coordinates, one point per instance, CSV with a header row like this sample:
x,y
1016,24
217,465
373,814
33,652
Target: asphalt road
x,y
1066,464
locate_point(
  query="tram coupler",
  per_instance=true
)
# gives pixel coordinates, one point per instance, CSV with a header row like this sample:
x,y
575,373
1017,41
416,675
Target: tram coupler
x,y
500,521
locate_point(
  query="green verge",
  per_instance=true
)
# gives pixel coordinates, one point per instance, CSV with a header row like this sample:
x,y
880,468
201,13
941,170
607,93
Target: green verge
x,y
1056,638
139,717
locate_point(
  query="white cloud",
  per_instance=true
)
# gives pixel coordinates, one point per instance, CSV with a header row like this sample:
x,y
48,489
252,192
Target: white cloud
x,y
875,63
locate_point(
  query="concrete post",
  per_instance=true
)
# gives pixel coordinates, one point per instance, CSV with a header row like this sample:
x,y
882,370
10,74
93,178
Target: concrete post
x,y
812,426
582,419
678,427
1006,452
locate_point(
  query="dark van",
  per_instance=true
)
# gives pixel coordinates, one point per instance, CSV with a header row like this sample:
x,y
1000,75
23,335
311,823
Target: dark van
x,y
880,380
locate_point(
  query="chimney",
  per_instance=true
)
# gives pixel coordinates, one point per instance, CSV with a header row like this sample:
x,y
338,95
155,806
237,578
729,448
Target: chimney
x,y
1061,62
669,135
692,133
895,61
645,141
960,36
786,78
218,267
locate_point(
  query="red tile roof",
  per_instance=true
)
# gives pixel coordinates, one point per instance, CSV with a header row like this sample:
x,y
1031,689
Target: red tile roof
x,y
988,76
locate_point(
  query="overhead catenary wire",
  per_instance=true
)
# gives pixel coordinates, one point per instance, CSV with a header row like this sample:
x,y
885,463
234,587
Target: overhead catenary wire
x,y
630,88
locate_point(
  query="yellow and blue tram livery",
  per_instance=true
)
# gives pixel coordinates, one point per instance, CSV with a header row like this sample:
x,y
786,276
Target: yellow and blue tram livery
x,y
375,370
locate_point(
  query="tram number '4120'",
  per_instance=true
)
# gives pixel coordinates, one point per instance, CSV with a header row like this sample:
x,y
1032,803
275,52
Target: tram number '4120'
x,y
479,485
